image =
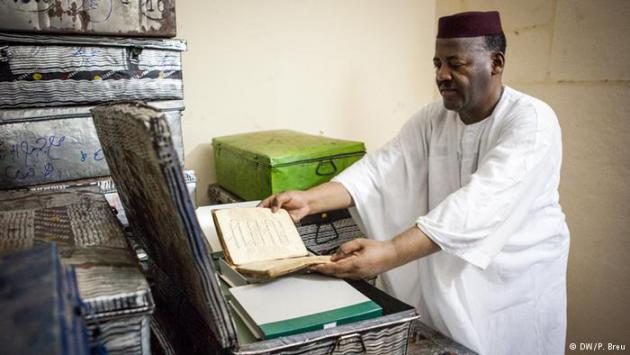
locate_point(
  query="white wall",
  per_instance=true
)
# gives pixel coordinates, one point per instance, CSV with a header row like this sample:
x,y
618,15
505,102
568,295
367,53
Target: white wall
x,y
350,69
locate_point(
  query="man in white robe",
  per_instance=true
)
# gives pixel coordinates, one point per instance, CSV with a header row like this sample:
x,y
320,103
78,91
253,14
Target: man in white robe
x,y
462,206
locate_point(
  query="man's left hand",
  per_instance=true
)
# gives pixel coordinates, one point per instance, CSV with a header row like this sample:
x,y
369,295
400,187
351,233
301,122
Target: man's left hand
x,y
359,259
362,258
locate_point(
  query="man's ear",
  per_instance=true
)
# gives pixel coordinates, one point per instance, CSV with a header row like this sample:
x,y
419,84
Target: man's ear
x,y
498,63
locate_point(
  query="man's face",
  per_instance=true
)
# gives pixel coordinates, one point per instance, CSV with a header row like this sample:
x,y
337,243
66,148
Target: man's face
x,y
463,70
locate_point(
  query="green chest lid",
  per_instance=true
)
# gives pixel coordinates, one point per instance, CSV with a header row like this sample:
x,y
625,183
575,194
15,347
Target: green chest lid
x,y
278,147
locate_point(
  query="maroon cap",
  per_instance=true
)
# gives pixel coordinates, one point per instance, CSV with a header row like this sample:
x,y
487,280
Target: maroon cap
x,y
469,24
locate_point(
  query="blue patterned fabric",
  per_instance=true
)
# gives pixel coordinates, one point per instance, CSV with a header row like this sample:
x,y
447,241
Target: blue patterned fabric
x,y
40,309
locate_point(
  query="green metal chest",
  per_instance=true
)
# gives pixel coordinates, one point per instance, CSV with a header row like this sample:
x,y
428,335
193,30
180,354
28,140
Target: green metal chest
x,y
256,165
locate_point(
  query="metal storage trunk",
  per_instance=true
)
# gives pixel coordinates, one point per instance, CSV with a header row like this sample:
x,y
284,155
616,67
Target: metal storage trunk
x,y
49,71
164,220
45,145
40,309
256,165
89,237
109,17
107,187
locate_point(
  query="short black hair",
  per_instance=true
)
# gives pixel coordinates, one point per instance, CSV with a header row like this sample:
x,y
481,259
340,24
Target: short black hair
x,y
496,43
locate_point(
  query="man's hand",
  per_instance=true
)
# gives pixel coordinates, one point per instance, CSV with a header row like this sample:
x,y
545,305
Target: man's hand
x,y
325,197
363,258
295,202
359,259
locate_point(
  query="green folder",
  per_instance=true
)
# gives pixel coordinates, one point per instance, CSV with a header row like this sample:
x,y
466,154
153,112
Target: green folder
x,y
298,304
256,165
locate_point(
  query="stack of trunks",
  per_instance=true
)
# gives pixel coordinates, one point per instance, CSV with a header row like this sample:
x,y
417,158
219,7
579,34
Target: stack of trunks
x,y
90,238
58,59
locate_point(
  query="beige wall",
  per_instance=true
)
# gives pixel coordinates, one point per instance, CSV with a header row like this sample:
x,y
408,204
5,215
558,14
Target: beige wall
x,y
358,68
575,55
349,69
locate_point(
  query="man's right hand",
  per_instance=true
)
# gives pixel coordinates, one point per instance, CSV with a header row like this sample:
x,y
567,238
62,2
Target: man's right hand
x,y
295,202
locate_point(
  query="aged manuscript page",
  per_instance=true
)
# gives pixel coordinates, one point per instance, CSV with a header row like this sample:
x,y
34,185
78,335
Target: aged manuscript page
x,y
256,234
256,240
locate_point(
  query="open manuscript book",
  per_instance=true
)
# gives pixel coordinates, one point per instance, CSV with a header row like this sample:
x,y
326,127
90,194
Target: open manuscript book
x,y
261,244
